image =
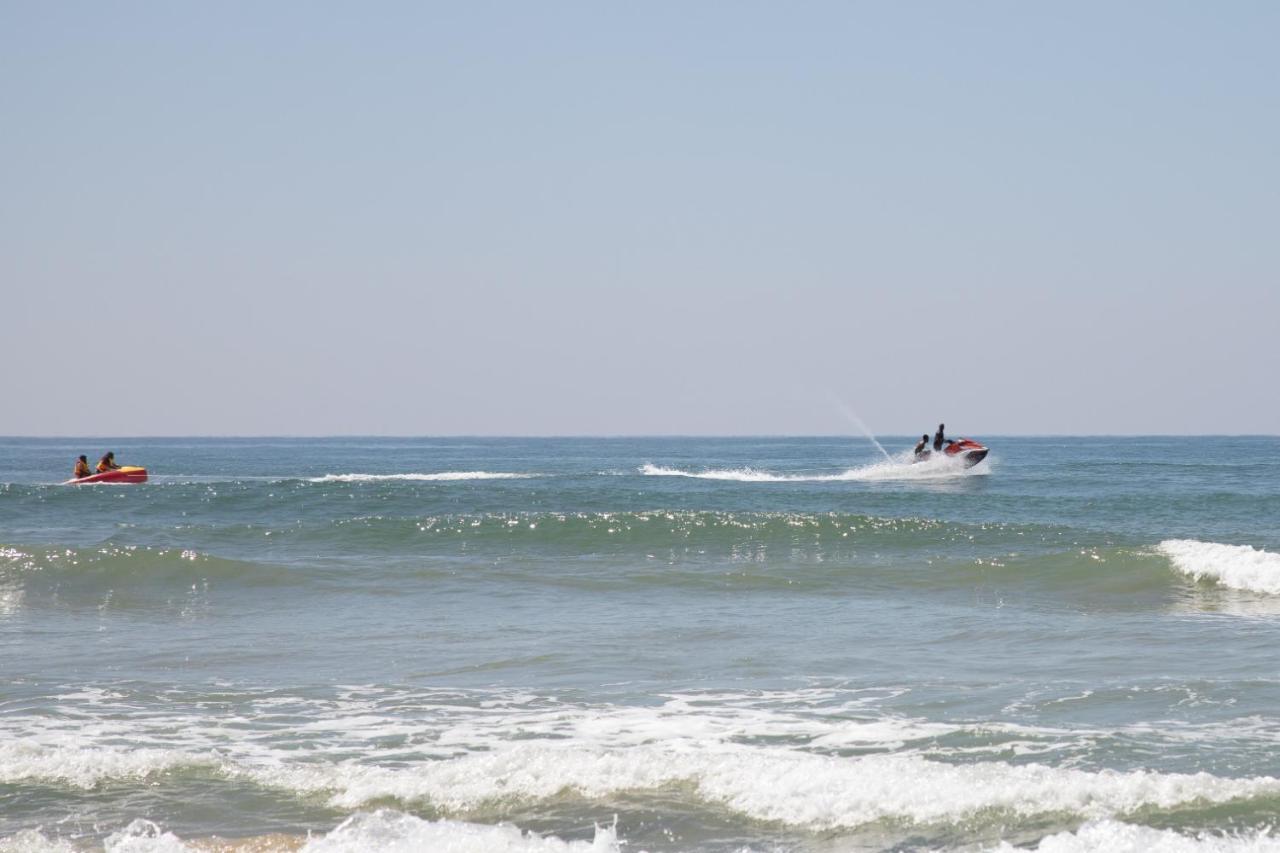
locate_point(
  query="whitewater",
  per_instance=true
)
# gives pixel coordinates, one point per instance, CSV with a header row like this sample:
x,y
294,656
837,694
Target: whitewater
x,y
629,644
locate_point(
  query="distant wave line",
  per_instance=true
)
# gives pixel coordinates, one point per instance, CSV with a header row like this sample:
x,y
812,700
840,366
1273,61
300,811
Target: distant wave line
x,y
441,476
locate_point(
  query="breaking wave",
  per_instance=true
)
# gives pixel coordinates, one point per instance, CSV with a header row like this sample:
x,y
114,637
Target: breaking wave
x,y
1110,836
814,759
88,766
394,831
815,792
384,830
1234,566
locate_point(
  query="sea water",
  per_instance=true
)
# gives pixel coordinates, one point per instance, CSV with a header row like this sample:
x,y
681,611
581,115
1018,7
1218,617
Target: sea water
x,y
641,644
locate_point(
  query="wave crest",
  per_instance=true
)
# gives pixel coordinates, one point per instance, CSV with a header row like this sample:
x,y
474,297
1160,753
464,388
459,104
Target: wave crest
x,y
1234,566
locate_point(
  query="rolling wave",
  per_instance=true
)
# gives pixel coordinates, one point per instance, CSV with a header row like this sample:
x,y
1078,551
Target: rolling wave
x,y
661,549
65,570
712,535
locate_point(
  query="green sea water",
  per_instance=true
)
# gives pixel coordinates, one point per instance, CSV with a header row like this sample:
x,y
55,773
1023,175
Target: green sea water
x,y
641,644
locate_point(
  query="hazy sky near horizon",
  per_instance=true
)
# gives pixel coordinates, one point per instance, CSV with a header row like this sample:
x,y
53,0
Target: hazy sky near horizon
x,y
596,218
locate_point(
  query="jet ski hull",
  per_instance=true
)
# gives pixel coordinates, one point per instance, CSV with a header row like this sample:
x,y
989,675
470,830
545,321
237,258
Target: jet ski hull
x,y
967,451
127,474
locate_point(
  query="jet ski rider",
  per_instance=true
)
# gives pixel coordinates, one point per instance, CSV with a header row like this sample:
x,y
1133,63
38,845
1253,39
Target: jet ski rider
x,y
108,463
922,447
82,468
937,438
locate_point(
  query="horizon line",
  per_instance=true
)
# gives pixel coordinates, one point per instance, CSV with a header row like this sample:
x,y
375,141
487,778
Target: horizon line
x,y
300,436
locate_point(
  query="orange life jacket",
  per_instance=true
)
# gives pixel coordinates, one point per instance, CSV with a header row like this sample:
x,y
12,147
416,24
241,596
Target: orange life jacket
x,y
104,465
82,470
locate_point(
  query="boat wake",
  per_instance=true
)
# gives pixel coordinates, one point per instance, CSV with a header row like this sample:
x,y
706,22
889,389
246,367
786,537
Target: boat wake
x,y
937,468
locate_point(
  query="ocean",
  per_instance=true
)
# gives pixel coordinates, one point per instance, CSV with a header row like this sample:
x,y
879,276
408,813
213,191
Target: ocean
x,y
658,644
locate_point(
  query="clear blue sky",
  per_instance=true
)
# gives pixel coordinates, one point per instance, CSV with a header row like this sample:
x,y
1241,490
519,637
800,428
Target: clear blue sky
x,y
583,218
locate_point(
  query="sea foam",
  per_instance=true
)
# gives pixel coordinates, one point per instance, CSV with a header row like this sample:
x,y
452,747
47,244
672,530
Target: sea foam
x,y
79,766
1235,566
1109,836
383,830
815,792
743,753
393,831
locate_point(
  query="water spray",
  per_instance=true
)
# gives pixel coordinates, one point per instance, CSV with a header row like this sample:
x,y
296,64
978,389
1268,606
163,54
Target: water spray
x,y
858,422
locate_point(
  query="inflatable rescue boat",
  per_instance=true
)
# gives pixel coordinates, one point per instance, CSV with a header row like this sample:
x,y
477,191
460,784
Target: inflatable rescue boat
x,y
127,474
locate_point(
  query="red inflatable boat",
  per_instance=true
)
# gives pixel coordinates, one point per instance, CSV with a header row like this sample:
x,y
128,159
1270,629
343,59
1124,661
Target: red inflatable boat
x,y
127,474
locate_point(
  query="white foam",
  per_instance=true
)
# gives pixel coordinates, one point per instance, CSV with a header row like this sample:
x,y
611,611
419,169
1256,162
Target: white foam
x,y
938,467
740,475
779,756
818,792
70,762
1235,566
143,836
383,830
1110,836
140,836
34,841
392,831
439,476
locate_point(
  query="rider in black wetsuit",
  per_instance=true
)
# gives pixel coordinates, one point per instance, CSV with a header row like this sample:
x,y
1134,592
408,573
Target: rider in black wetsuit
x,y
937,439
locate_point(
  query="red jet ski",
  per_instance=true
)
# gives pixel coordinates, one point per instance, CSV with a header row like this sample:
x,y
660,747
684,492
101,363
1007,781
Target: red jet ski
x,y
966,450
127,474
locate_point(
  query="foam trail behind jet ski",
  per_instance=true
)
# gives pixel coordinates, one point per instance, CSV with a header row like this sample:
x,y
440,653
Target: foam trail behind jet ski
x,y
937,468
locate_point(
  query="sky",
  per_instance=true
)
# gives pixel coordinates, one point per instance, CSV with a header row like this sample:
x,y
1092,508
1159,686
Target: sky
x,y
310,218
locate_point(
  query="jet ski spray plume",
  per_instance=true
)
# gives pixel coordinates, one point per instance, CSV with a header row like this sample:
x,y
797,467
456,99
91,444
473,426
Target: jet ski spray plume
x,y
858,422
